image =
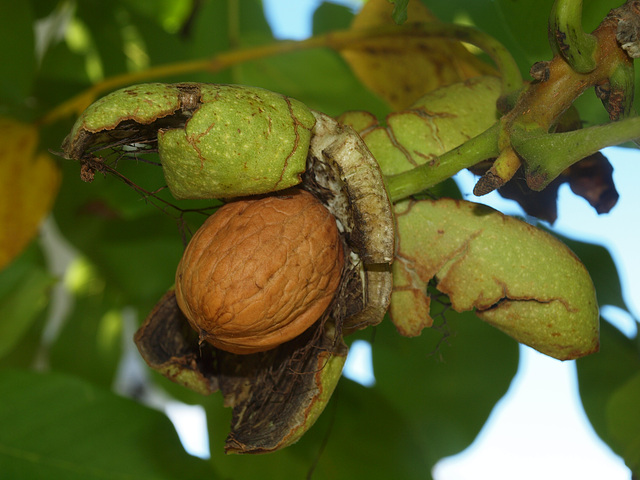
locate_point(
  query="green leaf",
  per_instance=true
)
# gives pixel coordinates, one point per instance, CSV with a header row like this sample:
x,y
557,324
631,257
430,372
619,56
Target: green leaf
x,y
399,11
168,14
624,421
601,376
330,16
334,447
140,265
17,56
431,380
160,46
105,26
93,332
305,77
252,24
135,246
56,426
393,442
25,352
24,294
210,30
62,74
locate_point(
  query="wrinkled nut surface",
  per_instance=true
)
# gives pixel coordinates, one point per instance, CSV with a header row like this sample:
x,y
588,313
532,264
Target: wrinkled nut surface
x,y
261,271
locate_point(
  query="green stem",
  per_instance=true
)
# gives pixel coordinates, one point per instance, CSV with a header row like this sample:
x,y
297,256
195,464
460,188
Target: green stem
x,y
567,37
426,176
546,156
509,72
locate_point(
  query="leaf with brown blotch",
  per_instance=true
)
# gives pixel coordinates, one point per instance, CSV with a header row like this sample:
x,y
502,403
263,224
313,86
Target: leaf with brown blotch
x,y
29,182
438,122
518,278
402,69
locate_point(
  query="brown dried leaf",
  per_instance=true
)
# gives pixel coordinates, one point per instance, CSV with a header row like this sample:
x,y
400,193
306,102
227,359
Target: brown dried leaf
x,y
591,178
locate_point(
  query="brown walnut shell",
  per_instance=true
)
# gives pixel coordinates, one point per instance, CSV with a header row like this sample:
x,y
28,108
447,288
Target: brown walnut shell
x,y
260,271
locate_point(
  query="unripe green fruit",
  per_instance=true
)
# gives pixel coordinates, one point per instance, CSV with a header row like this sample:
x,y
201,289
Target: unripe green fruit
x,y
240,141
516,277
214,141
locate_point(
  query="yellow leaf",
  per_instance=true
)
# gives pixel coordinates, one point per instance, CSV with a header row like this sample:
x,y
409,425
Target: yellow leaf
x,y
402,69
29,181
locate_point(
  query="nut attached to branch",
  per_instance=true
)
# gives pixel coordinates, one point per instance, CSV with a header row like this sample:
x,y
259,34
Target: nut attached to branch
x,y
277,394
272,281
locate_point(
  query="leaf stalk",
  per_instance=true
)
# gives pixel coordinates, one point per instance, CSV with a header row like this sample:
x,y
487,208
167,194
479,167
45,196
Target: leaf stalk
x,y
567,37
448,164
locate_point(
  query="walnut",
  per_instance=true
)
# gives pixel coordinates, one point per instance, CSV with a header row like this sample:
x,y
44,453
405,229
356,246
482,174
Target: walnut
x,y
260,271
277,277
